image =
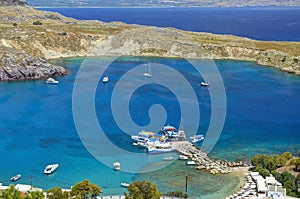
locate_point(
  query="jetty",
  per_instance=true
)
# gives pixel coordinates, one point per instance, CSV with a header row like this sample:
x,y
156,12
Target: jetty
x,y
203,162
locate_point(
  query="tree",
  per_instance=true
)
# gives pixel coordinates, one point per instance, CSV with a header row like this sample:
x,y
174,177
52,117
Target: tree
x,y
262,171
85,189
257,160
142,190
280,161
287,155
277,176
287,176
57,193
15,24
34,195
11,193
269,163
296,162
290,187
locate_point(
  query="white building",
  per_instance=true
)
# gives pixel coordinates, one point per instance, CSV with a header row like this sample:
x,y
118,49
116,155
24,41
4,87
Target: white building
x,y
275,192
268,187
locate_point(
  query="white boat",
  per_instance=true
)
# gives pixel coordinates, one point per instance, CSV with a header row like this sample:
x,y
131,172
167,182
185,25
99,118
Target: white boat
x,y
15,178
124,184
117,166
170,131
197,138
50,168
182,157
160,148
204,84
105,79
191,162
142,137
169,158
148,72
51,81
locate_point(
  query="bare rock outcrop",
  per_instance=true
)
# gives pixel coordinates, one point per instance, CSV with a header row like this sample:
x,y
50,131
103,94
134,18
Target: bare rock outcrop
x,y
13,3
24,67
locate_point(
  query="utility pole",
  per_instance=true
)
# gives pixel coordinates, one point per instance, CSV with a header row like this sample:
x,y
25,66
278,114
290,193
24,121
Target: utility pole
x,y
186,181
30,182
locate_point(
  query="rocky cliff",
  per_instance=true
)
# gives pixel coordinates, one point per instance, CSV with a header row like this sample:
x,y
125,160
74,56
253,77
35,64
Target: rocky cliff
x,y
13,3
28,36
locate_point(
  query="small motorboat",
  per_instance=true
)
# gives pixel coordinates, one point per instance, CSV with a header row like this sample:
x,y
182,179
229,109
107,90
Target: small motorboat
x,y
15,178
182,157
169,158
105,79
117,166
197,138
52,81
204,84
191,162
124,184
50,168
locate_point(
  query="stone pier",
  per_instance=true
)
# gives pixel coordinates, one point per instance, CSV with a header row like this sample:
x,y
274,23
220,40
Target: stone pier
x,y
203,162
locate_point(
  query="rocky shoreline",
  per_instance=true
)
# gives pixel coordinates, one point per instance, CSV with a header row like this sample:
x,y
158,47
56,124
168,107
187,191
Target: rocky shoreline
x,y
30,37
28,68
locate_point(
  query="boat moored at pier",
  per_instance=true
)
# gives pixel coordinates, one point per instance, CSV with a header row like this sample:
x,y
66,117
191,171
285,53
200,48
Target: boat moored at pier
x,y
160,148
196,138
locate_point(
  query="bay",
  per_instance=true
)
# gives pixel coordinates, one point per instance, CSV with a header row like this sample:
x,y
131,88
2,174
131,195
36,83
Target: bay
x,y
37,125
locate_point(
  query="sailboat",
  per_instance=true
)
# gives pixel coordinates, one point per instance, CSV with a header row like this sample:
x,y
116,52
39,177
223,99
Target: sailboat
x,y
147,72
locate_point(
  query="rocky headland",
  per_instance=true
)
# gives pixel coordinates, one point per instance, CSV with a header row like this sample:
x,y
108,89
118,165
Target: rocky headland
x,y
30,37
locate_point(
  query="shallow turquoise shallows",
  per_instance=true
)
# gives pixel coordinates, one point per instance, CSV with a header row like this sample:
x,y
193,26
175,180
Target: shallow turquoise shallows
x,y
37,126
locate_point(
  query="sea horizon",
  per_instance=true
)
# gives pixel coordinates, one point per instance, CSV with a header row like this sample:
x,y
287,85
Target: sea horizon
x,y
259,23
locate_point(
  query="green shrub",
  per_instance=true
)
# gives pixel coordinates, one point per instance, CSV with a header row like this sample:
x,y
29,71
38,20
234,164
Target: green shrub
x,y
15,24
38,23
177,194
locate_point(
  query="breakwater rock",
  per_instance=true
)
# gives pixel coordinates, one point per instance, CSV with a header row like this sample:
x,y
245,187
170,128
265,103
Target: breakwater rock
x,y
201,159
24,67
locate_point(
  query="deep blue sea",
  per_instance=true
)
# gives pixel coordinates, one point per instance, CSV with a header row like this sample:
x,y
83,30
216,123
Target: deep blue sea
x,y
38,125
269,23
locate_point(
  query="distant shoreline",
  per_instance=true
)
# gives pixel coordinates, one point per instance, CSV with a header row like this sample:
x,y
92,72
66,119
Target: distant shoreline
x,y
174,7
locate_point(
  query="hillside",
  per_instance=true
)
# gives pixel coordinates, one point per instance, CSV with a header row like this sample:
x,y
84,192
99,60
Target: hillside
x,y
24,47
13,3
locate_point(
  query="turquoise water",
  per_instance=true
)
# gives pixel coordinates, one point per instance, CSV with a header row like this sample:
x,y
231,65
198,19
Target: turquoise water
x,y
37,126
